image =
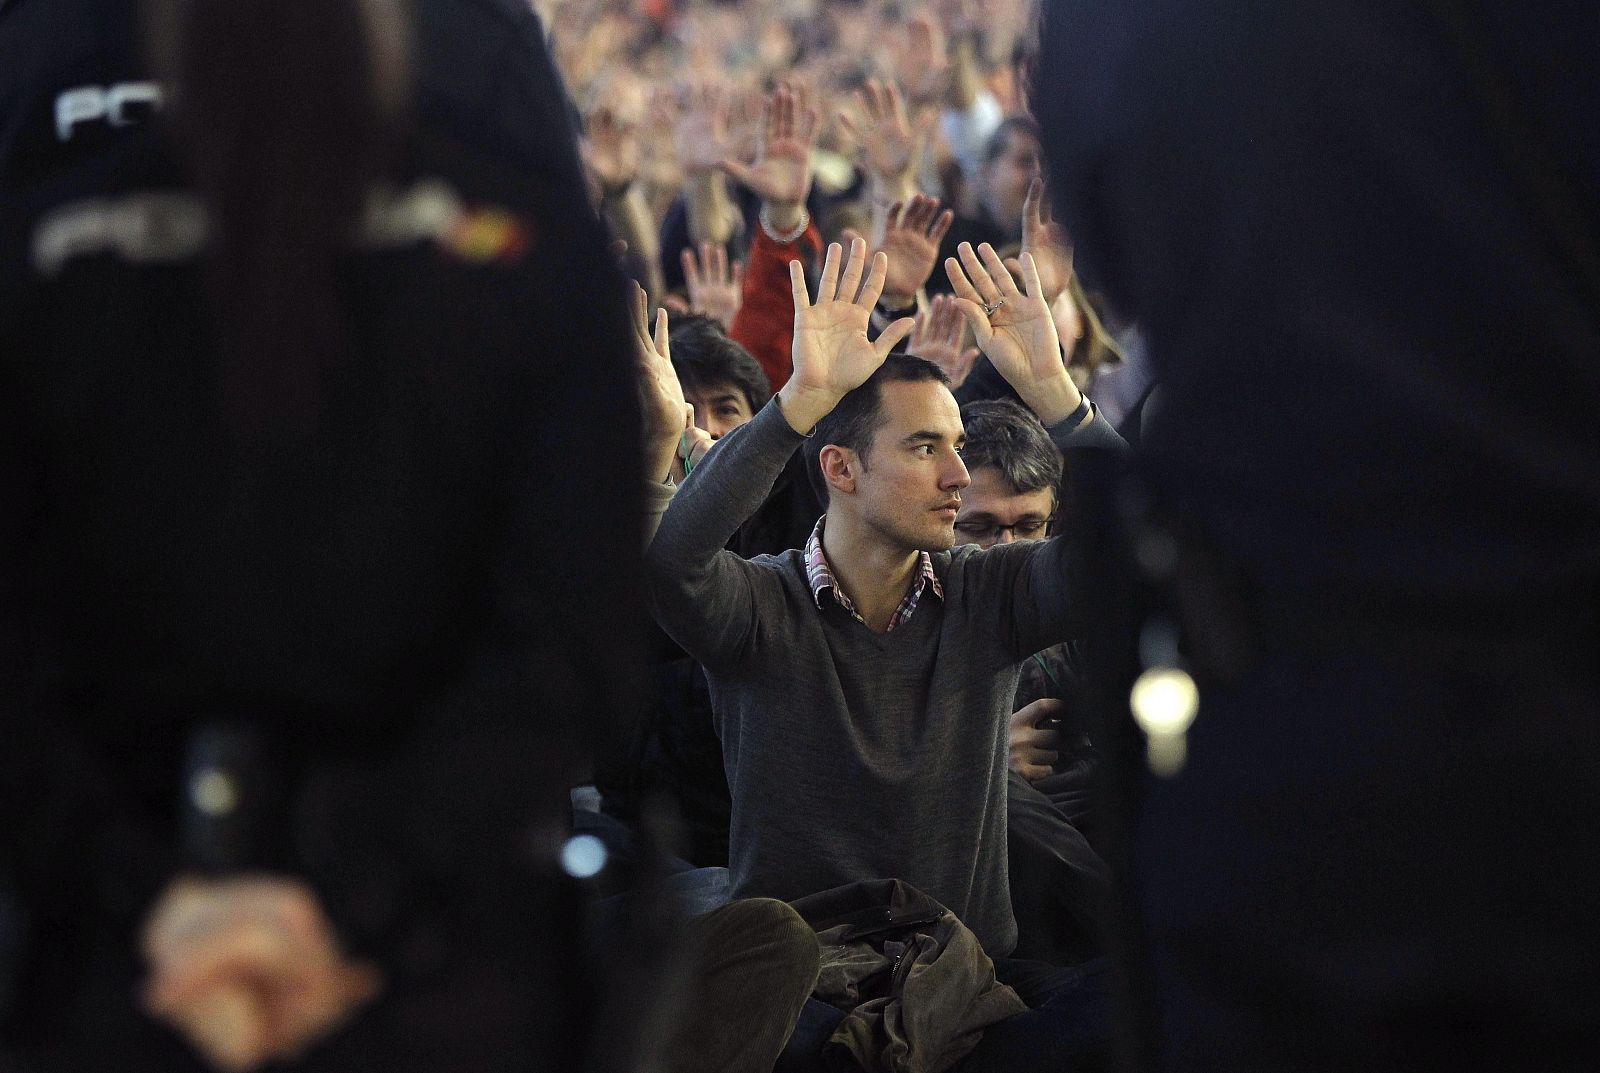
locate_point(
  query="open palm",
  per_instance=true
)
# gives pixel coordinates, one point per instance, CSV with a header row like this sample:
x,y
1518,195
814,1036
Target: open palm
x,y
1013,328
1046,239
911,241
781,173
832,353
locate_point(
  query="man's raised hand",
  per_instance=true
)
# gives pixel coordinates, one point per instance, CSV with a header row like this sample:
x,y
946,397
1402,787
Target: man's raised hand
x,y
1014,329
832,353
611,150
700,133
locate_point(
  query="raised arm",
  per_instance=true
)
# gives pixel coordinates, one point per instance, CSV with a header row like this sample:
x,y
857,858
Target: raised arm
x,y
781,177
1016,332
707,598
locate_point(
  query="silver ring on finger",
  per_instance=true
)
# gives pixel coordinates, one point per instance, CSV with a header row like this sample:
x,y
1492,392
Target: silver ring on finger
x,y
990,307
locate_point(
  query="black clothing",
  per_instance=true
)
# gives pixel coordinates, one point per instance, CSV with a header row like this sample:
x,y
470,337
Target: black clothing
x,y
1378,391
1373,373
976,230
984,382
390,604
673,753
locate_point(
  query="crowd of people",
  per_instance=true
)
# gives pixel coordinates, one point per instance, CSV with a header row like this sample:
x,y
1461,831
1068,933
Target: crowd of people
x,y
831,709
613,535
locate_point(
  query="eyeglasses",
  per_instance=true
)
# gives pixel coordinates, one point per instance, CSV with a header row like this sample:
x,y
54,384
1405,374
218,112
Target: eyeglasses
x,y
1026,529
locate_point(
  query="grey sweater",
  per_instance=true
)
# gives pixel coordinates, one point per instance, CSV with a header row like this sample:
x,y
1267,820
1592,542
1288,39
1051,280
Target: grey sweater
x,y
854,755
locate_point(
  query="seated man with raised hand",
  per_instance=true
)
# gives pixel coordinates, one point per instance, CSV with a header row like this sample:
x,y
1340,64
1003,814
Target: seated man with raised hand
x,y
862,686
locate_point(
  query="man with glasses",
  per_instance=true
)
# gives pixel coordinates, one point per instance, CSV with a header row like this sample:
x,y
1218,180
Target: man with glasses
x,y
1015,468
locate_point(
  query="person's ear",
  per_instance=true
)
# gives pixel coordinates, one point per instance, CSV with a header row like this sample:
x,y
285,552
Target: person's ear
x,y
840,467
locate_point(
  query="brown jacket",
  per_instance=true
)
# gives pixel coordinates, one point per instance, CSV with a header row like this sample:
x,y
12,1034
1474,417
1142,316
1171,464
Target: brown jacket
x,y
917,984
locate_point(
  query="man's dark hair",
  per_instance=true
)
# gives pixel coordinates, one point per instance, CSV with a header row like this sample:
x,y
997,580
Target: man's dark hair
x,y
860,413
1003,434
1000,140
704,355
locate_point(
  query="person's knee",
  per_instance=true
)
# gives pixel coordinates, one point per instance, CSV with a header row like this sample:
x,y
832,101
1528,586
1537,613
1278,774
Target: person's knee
x,y
765,939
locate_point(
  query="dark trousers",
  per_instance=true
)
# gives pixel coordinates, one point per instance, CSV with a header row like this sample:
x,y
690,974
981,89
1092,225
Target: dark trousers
x,y
751,965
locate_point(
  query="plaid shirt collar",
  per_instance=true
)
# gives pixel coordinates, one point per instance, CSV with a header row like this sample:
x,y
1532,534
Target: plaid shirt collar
x,y
820,577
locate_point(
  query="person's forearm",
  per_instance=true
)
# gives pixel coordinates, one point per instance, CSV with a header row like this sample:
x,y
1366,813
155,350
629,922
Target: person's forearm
x,y
704,596
709,208
629,218
965,79
1092,430
764,324
657,498
730,483
1053,399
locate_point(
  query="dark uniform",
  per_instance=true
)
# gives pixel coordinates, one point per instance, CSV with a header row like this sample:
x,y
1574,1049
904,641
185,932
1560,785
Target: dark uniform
x,y
394,619
1380,374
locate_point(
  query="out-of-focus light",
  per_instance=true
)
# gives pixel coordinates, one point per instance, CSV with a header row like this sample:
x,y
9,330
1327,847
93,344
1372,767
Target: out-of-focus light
x,y
583,856
1164,702
214,792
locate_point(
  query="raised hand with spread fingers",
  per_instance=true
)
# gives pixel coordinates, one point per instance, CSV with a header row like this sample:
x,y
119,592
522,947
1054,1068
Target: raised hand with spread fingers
x,y
911,237
700,133
891,142
832,353
666,414
715,288
1014,329
781,173
1047,241
940,331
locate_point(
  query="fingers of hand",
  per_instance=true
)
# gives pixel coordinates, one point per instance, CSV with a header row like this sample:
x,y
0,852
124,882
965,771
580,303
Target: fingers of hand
x,y
892,336
797,286
1030,207
872,289
1030,277
828,282
691,269
663,346
854,266
997,272
987,292
960,284
976,319
941,225
1043,708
